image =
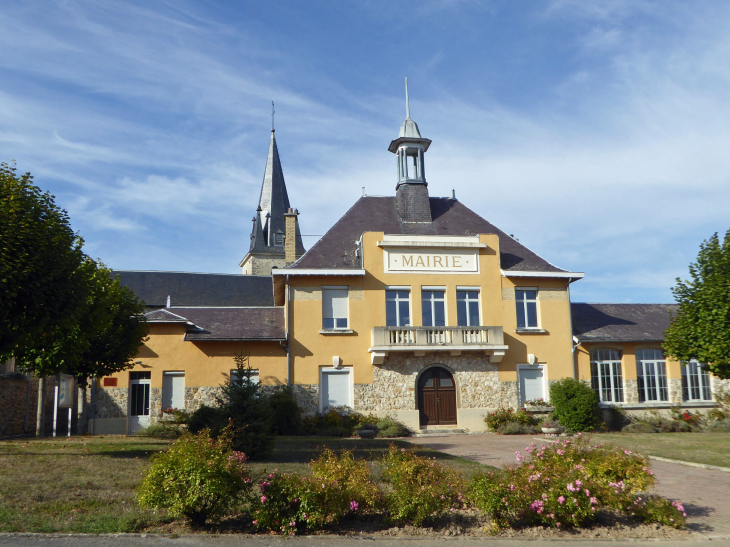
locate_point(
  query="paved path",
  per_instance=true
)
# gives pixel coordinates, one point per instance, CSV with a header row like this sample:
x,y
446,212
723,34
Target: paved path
x,y
705,493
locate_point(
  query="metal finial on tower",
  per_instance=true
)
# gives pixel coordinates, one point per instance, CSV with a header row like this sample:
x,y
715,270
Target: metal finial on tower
x,y
408,106
272,116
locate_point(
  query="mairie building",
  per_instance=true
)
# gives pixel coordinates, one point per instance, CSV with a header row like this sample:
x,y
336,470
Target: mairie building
x,y
410,305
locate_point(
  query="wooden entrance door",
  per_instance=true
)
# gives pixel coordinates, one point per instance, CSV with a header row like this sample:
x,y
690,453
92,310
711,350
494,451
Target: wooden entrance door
x,y
437,397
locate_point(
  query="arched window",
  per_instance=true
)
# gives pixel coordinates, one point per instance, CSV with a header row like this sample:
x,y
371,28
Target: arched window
x,y
651,373
606,377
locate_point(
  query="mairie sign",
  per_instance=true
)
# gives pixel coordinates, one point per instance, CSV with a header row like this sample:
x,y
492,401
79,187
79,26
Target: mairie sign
x,y
432,261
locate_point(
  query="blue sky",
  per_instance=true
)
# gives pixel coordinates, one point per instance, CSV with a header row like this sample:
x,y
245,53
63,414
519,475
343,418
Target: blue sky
x,y
595,132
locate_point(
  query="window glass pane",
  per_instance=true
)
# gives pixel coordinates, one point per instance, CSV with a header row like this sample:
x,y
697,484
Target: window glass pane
x,y
404,315
474,313
640,380
426,314
461,316
531,314
519,295
618,384
662,381
439,315
521,324
328,323
705,377
445,382
391,316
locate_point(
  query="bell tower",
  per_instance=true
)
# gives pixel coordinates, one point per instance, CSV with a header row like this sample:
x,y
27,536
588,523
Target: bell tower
x,y
412,189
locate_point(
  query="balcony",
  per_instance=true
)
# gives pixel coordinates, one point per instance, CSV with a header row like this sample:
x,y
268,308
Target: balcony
x,y
419,340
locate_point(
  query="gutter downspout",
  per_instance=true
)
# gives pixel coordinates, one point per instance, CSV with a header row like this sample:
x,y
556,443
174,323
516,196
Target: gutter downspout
x,y
286,326
573,339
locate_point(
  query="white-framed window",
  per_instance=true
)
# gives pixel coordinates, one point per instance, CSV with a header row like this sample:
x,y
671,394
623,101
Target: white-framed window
x,y
334,308
526,299
695,382
532,382
398,307
433,307
651,373
173,390
335,388
254,375
467,307
606,377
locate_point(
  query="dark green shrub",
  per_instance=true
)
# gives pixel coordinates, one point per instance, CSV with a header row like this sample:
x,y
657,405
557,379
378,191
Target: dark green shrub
x,y
515,428
421,488
614,418
575,404
674,426
161,430
312,424
242,402
721,426
285,412
390,427
198,478
639,426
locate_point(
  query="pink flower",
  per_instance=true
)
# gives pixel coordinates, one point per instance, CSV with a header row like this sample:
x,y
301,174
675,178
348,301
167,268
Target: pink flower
x,y
511,487
255,522
578,484
263,499
561,500
292,524
271,475
587,492
560,453
557,524
594,501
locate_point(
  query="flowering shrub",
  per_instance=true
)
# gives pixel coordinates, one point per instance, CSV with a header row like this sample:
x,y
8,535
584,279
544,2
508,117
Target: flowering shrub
x,y
290,503
658,509
422,489
353,476
502,416
562,485
198,478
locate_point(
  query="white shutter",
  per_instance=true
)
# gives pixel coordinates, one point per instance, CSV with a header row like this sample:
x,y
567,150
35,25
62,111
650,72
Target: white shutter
x,y
336,389
173,390
531,384
334,303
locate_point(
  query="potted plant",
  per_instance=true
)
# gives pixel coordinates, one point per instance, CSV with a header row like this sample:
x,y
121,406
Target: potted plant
x,y
551,427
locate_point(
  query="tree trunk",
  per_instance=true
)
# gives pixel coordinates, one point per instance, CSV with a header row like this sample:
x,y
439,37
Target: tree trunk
x,y
40,427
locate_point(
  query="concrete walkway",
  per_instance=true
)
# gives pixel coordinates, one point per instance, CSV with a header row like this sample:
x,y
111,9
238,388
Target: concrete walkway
x,y
703,492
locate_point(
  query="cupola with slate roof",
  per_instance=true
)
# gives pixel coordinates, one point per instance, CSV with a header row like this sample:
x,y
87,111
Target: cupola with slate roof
x,y
266,249
412,189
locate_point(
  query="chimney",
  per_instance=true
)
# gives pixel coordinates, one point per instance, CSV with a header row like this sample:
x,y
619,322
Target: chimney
x,y
290,242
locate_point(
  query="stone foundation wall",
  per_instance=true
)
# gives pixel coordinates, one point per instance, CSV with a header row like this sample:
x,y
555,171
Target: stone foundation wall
x,y
675,390
195,397
308,397
631,392
394,383
111,402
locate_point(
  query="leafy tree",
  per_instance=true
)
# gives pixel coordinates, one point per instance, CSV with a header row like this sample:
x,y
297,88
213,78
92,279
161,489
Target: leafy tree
x,y
40,256
701,328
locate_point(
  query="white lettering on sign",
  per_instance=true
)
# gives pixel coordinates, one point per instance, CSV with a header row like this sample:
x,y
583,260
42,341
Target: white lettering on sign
x,y
432,261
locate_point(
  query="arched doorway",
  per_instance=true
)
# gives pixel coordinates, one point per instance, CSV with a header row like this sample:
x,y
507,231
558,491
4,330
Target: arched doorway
x,y
437,397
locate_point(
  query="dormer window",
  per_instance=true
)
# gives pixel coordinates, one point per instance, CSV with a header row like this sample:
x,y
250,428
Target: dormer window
x,y
279,239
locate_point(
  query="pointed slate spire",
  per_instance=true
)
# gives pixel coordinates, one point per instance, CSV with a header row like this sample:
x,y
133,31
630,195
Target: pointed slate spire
x,y
274,200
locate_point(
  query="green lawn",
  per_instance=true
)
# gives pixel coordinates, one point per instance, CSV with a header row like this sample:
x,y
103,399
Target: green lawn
x,y
707,448
87,484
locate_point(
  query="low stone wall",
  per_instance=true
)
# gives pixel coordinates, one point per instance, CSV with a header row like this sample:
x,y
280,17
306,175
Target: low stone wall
x,y
12,406
111,402
195,397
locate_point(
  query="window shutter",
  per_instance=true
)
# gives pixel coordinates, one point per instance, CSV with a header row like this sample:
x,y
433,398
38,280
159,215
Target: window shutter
x,y
336,389
173,390
334,304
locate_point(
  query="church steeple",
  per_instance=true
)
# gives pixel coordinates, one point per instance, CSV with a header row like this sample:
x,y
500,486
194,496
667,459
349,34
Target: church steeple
x,y
269,226
412,189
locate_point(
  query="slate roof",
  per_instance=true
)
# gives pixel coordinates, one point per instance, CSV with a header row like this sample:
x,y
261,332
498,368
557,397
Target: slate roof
x,y
225,323
621,322
336,249
198,289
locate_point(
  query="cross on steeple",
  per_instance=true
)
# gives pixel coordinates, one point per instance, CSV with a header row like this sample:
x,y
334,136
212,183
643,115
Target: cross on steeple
x,y
272,116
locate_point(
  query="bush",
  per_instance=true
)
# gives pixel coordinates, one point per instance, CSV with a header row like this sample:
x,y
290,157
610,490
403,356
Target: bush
x,y
161,430
658,509
285,412
639,426
421,488
575,404
207,417
198,478
515,428
390,427
562,485
721,426
353,476
614,418
495,420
